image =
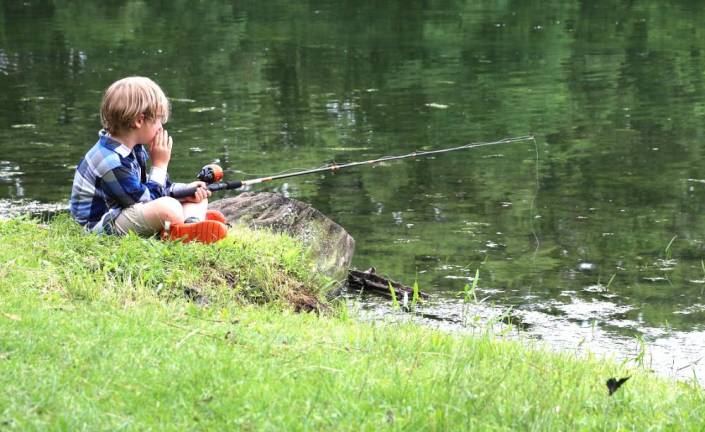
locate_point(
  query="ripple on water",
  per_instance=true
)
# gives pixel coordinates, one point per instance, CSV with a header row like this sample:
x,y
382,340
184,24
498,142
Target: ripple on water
x,y
582,310
696,308
601,290
12,208
9,170
582,326
655,279
665,265
586,266
596,288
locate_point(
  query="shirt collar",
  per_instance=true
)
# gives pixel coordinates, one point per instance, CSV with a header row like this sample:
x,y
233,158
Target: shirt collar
x,y
114,144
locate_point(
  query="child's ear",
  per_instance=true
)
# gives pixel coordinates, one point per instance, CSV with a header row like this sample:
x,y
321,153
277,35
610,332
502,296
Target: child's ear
x,y
139,121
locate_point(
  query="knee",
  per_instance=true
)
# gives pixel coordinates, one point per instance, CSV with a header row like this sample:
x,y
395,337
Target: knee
x,y
168,209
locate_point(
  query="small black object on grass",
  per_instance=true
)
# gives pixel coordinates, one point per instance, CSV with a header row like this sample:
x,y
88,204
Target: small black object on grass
x,y
613,384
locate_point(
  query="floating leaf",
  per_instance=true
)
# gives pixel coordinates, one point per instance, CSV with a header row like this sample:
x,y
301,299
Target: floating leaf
x,y
347,148
201,109
32,98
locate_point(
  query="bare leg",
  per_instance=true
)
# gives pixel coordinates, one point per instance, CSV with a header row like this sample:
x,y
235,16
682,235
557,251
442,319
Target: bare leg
x,y
164,209
197,210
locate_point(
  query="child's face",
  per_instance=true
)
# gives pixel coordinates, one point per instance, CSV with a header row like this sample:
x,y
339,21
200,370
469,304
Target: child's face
x,y
149,129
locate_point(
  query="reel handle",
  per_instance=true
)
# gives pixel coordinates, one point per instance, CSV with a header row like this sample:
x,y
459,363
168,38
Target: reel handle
x,y
213,187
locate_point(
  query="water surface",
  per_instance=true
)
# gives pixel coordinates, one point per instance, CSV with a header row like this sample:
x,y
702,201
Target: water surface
x,y
592,234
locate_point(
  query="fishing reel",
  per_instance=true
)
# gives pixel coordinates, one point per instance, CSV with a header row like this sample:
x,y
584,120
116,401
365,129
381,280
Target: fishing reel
x,y
210,174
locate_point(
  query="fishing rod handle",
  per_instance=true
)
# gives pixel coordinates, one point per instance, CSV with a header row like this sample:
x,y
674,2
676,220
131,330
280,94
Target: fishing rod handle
x,y
213,187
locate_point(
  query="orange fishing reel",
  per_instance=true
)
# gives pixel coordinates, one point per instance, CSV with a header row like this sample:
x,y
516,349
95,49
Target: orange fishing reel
x,y
210,174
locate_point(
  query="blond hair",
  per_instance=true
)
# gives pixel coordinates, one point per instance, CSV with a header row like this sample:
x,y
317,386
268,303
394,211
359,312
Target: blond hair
x,y
129,97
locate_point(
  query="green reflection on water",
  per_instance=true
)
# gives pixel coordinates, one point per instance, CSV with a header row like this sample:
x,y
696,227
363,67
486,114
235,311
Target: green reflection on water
x,y
613,92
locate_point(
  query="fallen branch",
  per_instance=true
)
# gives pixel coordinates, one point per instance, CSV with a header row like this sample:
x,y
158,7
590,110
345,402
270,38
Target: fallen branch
x,y
369,281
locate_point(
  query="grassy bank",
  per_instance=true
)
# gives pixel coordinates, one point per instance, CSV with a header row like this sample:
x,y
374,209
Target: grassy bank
x,y
248,268
96,333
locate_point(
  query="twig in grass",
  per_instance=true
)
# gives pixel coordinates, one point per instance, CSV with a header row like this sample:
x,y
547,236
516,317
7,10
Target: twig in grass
x,y
185,338
311,405
363,384
12,317
312,367
433,353
691,364
197,331
233,321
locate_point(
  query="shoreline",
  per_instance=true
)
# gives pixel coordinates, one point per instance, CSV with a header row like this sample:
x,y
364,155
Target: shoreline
x,y
664,352
90,345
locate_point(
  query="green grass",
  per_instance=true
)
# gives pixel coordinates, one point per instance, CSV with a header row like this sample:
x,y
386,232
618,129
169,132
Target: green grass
x,y
247,267
85,346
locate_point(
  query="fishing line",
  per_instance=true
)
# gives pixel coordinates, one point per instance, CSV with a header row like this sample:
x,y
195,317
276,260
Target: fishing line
x,y
532,211
253,174
333,166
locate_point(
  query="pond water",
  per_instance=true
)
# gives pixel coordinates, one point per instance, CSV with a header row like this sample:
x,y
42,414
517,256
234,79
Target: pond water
x,y
592,234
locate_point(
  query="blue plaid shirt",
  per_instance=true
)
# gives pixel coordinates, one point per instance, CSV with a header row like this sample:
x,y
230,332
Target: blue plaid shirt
x,y
110,178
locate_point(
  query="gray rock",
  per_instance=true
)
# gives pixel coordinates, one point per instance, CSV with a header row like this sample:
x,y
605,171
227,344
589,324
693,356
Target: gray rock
x,y
329,244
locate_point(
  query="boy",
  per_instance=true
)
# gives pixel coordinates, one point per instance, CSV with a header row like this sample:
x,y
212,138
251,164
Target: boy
x,y
112,192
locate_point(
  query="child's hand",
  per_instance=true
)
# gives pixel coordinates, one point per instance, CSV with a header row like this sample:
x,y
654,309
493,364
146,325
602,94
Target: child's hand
x,y
201,193
160,149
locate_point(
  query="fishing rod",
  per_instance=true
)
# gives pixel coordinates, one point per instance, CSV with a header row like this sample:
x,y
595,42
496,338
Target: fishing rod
x,y
212,174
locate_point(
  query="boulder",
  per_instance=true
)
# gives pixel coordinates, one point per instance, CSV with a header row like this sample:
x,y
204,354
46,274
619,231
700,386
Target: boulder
x,y
330,245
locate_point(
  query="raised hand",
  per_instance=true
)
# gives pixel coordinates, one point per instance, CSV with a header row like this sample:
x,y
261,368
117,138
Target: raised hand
x,y
160,149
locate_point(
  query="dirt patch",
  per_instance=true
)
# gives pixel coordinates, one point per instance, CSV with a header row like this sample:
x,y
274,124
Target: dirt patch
x,y
304,301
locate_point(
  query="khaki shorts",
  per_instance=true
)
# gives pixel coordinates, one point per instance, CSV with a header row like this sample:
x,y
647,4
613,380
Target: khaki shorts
x,y
132,219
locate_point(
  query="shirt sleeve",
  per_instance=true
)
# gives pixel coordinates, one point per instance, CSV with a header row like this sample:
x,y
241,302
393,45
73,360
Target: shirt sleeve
x,y
161,177
158,175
